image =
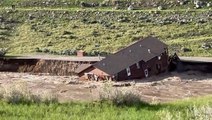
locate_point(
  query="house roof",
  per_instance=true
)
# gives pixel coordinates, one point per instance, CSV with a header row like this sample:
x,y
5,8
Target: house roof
x,y
82,67
144,49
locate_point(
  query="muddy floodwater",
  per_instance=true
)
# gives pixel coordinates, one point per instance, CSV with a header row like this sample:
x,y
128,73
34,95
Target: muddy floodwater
x,y
162,88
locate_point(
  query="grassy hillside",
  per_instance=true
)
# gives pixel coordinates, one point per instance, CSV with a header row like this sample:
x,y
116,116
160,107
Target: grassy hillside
x,y
194,109
62,29
100,3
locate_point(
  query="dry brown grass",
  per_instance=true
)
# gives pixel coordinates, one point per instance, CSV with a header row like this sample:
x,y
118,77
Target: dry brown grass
x,y
119,96
19,93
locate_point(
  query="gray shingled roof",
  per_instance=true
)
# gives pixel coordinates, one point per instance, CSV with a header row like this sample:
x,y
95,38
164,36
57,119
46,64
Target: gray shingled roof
x,y
82,67
144,49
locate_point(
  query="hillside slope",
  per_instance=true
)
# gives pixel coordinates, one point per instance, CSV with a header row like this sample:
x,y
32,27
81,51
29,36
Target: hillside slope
x,y
105,3
29,29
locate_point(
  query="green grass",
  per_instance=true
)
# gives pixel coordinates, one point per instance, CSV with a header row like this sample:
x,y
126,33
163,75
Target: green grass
x,y
182,109
18,102
102,27
73,2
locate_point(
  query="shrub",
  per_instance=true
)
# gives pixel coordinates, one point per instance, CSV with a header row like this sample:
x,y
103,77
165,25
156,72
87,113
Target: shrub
x,y
3,51
46,50
67,33
1,93
49,98
37,49
192,112
118,96
200,113
19,93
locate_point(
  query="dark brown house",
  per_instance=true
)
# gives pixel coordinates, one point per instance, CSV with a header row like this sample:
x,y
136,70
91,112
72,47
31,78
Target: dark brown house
x,y
142,59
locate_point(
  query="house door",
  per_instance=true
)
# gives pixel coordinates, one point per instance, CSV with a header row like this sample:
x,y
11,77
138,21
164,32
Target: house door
x,y
146,72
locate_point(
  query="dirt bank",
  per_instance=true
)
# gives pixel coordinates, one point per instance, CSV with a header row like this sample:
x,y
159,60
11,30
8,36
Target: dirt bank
x,y
55,67
52,67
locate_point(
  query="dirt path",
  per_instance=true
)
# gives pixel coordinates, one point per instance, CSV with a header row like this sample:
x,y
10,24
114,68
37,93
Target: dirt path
x,y
57,57
197,59
163,88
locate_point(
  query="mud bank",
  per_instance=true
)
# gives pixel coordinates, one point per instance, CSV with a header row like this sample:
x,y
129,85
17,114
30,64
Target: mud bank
x,y
52,67
183,64
195,66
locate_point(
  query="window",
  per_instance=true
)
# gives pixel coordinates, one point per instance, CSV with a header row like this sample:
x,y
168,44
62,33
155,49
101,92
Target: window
x,y
146,73
130,51
149,69
128,71
159,57
138,65
158,66
149,50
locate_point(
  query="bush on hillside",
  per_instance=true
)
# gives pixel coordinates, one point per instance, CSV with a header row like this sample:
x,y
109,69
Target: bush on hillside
x,y
3,51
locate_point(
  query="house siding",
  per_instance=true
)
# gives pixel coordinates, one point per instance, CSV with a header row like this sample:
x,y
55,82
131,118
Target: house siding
x,y
150,65
94,71
136,73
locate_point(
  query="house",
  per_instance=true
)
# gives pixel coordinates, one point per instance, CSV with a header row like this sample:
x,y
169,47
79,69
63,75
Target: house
x,y
144,58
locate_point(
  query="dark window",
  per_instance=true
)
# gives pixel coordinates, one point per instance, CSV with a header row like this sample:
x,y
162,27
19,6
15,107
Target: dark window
x,y
128,71
138,65
149,69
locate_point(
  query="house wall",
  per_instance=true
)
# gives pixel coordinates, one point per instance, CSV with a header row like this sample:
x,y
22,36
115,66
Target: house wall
x,y
151,66
94,71
136,73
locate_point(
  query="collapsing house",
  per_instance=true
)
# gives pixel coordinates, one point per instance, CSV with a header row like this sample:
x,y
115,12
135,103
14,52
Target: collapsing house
x,y
144,58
